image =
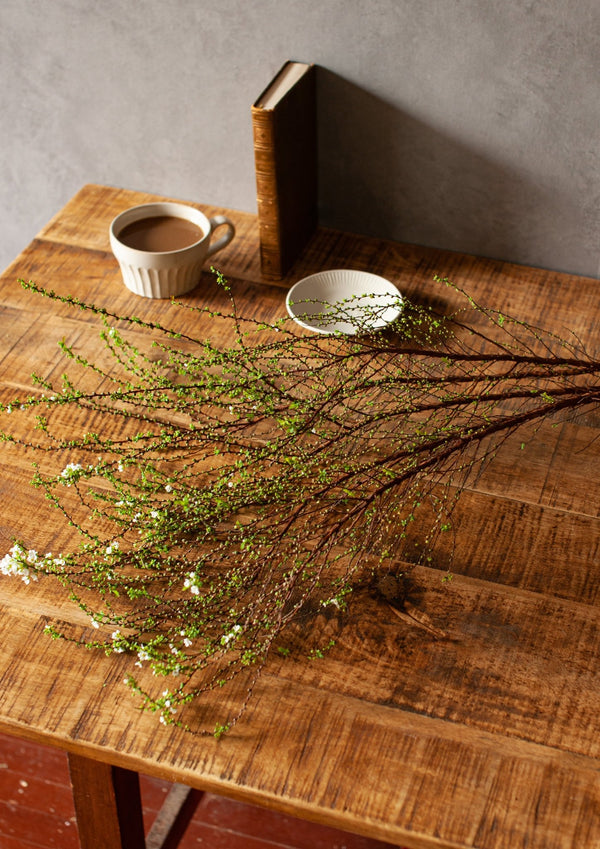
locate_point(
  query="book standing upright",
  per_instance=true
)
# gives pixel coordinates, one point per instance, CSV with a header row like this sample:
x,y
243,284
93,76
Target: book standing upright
x,y
284,125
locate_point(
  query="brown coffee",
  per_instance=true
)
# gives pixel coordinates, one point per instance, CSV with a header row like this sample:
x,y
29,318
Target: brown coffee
x,y
160,233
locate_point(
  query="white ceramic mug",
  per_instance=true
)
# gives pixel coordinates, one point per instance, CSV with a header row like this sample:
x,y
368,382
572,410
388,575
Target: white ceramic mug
x,y
164,274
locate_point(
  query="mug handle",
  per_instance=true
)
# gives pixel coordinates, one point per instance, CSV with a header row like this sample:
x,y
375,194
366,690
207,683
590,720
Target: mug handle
x,y
218,221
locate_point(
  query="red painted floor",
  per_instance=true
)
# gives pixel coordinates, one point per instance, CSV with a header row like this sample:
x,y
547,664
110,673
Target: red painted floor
x,y
36,811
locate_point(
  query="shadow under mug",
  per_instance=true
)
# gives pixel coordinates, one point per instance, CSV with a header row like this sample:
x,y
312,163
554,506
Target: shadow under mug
x,y
165,274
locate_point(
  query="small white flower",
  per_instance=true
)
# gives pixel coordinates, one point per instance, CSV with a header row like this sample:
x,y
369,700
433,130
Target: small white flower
x,y
70,471
13,564
232,635
116,636
70,468
168,488
191,584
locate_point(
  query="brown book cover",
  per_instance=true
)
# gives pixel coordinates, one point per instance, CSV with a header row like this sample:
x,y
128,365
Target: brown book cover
x,y
284,122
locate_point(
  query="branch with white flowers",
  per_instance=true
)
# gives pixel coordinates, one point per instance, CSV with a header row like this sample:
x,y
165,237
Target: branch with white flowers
x,y
220,489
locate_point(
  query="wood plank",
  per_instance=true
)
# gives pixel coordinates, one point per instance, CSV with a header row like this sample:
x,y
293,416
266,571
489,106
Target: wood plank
x,y
495,669
575,461
85,220
546,465
529,538
532,537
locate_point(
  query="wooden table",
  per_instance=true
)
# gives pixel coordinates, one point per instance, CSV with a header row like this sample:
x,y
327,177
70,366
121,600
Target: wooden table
x,y
489,738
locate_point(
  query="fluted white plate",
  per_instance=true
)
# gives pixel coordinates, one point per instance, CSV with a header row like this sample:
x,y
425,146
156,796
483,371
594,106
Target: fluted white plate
x,y
344,301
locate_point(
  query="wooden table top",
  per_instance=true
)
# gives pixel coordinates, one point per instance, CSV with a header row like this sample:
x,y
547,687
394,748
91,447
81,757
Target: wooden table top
x,y
488,738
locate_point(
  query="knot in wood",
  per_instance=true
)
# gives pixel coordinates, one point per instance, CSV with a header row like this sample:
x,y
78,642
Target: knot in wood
x,y
390,588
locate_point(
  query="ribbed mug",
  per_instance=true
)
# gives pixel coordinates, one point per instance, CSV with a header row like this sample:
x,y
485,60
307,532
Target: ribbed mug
x,y
166,273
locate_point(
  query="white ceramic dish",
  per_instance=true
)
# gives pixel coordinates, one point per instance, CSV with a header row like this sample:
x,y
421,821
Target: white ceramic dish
x,y
344,301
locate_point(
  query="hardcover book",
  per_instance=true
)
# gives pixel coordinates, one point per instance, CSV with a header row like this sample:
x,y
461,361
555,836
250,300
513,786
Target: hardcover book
x,y
284,125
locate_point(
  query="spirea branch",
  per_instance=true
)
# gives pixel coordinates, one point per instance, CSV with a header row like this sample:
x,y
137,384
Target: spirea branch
x,y
218,488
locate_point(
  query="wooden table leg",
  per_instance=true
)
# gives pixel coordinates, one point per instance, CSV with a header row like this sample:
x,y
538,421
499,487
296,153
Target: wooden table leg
x,y
108,805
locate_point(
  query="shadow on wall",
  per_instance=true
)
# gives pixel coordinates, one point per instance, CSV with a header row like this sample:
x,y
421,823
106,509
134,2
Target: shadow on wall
x,y
385,173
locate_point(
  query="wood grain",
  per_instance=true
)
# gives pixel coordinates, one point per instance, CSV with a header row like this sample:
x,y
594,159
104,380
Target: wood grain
x,y
487,736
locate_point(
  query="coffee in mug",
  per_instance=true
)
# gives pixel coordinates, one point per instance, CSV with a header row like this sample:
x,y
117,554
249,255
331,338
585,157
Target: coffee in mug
x,y
162,247
160,233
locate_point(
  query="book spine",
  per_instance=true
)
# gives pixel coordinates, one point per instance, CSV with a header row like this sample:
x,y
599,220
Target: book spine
x,y
267,196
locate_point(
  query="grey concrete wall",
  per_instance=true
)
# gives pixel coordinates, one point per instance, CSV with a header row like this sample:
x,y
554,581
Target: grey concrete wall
x,y
465,124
